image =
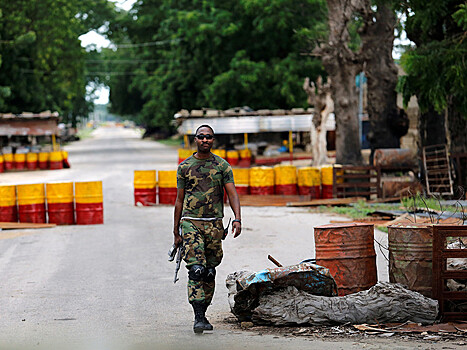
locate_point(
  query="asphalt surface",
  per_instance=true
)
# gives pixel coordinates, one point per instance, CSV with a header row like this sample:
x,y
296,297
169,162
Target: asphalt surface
x,y
110,286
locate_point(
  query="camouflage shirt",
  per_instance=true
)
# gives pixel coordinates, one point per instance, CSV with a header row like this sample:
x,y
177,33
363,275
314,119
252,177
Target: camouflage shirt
x,y
203,181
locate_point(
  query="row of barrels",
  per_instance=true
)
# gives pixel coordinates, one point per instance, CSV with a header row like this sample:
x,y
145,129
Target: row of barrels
x,y
151,187
34,161
61,203
241,158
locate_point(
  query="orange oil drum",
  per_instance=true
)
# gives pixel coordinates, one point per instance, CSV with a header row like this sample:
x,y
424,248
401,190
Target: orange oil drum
x,y
232,157
145,187
220,152
2,167
31,203
309,182
261,180
89,203
411,256
167,186
8,161
285,179
326,182
55,160
20,161
184,154
245,158
43,160
60,206
347,250
242,180
8,210
31,161
66,163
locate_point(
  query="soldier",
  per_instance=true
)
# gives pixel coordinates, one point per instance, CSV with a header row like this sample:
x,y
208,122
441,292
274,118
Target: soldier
x,y
199,209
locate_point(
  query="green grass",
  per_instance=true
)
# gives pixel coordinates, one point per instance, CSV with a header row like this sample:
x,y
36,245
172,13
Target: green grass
x,y
175,142
85,133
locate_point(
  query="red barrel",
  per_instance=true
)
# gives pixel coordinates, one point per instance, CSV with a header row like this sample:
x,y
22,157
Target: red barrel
x,y
31,161
1,164
261,180
167,186
232,157
309,182
245,158
31,203
347,250
89,203
8,212
60,203
242,180
20,161
55,160
183,154
145,187
43,160
327,181
8,161
285,179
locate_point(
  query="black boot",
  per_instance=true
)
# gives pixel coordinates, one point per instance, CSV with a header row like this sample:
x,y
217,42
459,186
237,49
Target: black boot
x,y
200,323
209,325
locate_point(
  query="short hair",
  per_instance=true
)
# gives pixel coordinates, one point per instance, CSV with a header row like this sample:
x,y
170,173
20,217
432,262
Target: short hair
x,y
204,126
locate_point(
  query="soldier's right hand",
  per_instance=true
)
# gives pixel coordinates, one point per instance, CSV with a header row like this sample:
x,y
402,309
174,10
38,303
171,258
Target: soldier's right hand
x,y
177,239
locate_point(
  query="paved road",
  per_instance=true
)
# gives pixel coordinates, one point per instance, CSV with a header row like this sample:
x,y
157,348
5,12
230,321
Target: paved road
x,y
110,285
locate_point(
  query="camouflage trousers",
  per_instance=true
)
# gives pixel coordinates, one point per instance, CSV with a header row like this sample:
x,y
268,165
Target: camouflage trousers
x,y
202,244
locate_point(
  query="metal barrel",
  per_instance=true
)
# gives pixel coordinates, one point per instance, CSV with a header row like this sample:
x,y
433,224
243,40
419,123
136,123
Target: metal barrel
x,y
31,203
55,160
220,152
242,180
167,180
309,182
31,161
411,256
261,180
66,163
245,158
145,187
89,203
43,160
8,161
2,166
60,207
184,154
233,157
20,161
285,179
8,210
327,181
348,251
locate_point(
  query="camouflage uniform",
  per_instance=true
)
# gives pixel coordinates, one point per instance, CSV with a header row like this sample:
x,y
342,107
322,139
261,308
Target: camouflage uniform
x,y
203,209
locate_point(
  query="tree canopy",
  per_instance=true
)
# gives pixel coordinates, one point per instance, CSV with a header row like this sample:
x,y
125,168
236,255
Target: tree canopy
x,y
212,53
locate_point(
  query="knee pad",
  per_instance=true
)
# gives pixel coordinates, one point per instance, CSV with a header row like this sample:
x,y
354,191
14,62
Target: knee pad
x,y
196,272
210,274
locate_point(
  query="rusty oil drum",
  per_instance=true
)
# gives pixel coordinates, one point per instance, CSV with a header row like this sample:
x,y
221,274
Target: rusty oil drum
x,y
31,203
348,251
411,256
89,203
60,206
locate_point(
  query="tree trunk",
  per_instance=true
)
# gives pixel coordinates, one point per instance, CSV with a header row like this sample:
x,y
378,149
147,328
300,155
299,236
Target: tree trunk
x,y
342,65
387,124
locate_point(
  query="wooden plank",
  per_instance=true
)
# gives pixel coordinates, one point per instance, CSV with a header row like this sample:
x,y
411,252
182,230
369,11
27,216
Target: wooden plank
x,y
23,225
331,201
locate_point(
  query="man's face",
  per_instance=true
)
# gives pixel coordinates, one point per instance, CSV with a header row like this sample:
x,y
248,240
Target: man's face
x,y
204,140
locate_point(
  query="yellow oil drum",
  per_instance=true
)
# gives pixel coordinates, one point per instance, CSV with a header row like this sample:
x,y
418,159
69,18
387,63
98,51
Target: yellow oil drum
x,y
232,157
8,211
245,158
2,166
89,203
43,160
262,180
145,187
220,152
184,154
66,163
242,180
309,182
31,161
285,179
8,161
55,160
167,180
60,206
326,181
31,203
20,161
